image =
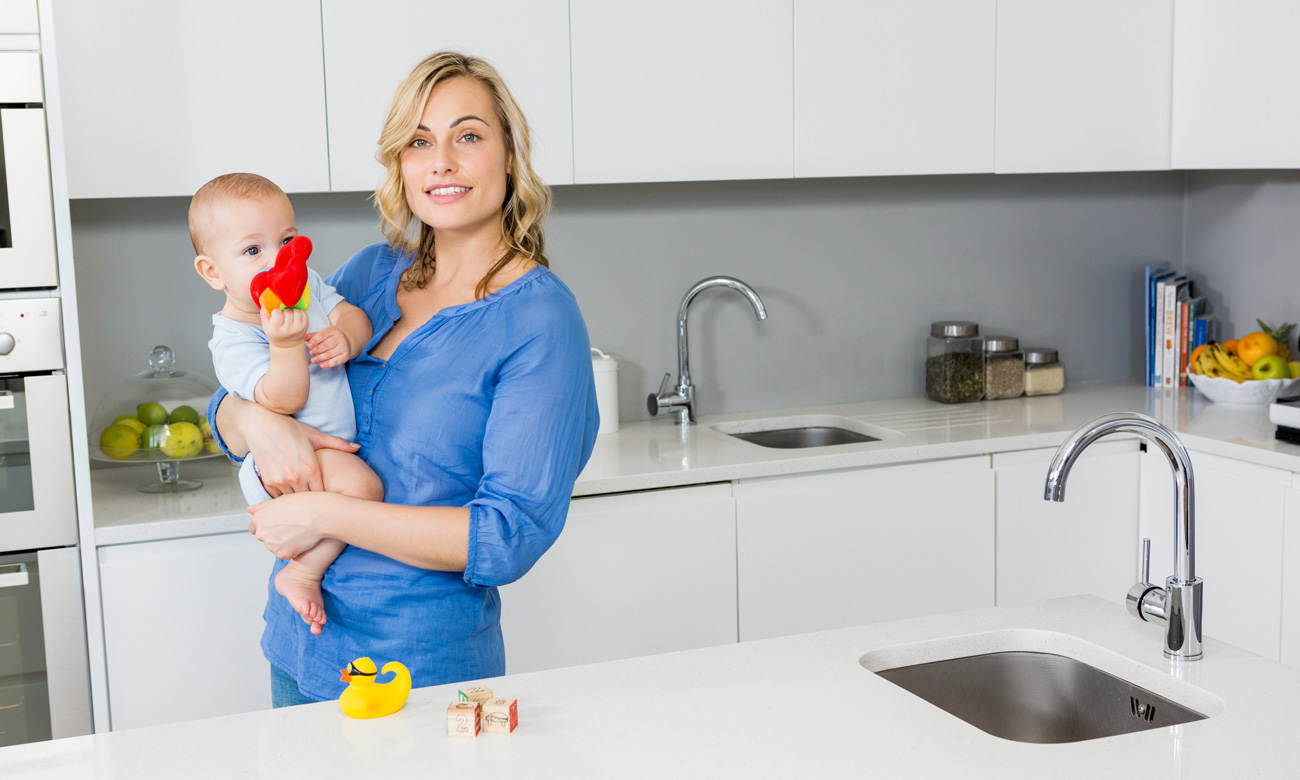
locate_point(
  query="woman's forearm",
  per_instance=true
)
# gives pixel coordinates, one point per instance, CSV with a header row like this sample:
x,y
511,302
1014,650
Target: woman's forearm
x,y
426,537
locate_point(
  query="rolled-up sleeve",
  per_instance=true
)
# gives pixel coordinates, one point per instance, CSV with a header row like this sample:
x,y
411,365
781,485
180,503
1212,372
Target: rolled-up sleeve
x,y
540,433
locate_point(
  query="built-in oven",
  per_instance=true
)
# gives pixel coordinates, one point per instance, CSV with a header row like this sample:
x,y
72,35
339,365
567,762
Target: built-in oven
x,y
27,256
44,682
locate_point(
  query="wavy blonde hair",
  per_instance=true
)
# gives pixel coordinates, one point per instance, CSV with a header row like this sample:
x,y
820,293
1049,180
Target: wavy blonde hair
x,y
528,199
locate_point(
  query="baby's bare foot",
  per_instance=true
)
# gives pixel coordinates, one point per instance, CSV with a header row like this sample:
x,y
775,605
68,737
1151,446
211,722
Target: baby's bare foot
x,y
302,589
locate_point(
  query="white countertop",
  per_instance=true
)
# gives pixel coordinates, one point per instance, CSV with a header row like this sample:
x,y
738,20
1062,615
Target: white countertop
x,y
799,706
659,454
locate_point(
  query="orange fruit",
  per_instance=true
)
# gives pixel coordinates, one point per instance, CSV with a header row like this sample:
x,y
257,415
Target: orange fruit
x,y
1254,346
1231,345
1191,359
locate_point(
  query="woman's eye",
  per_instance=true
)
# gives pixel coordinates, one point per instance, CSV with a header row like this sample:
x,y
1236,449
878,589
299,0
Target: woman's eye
x,y
471,137
419,143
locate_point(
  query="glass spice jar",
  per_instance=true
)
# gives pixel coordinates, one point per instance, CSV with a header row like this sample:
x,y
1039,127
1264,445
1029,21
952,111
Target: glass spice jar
x,y
1044,374
1004,368
954,362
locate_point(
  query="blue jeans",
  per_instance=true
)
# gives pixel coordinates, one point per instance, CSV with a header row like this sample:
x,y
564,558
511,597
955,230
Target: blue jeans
x,y
284,690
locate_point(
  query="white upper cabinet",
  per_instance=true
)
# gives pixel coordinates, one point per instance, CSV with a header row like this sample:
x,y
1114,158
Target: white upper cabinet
x,y
18,17
682,90
370,47
892,87
161,95
1083,85
1236,65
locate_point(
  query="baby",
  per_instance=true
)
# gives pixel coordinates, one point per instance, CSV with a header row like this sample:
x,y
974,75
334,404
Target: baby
x,y
238,222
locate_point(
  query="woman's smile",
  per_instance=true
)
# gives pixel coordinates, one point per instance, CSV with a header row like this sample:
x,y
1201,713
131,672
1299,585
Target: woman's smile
x,y
447,193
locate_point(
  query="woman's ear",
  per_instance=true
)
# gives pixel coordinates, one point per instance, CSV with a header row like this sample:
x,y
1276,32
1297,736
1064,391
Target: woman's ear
x,y
208,270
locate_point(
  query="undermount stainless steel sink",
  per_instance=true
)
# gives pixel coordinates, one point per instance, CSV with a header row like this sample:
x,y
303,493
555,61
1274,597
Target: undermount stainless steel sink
x,y
810,430
1038,697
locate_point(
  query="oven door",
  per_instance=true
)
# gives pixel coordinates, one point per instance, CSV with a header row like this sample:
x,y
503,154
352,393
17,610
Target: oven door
x,y
44,669
27,257
37,507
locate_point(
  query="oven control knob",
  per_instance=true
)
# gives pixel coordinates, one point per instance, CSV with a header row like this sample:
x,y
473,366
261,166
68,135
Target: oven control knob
x,y
6,343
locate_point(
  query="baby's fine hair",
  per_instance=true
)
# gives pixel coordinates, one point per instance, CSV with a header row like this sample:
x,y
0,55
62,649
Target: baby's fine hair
x,y
240,186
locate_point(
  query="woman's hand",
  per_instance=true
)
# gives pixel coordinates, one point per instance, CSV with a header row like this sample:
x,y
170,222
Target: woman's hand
x,y
290,525
284,449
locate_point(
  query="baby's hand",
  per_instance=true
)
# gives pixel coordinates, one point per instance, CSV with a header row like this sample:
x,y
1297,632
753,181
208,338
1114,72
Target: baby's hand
x,y
285,327
329,347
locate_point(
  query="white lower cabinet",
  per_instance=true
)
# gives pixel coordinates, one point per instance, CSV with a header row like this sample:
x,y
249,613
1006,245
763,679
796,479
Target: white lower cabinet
x,y
1290,651
182,626
1240,512
846,548
632,574
1086,544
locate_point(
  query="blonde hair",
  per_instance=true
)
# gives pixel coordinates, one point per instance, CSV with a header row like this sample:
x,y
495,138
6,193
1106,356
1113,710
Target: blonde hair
x,y
528,199
239,186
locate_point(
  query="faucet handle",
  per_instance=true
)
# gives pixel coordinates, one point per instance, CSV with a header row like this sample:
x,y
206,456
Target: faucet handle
x,y
1145,561
652,403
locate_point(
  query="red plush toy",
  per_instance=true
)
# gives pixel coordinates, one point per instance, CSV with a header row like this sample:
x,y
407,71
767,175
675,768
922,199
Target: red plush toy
x,y
284,285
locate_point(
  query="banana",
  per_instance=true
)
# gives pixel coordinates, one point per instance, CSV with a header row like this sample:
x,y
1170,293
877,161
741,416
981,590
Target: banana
x,y
1205,364
1228,364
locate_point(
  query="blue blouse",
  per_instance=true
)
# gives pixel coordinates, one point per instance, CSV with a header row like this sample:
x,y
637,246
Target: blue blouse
x,y
489,405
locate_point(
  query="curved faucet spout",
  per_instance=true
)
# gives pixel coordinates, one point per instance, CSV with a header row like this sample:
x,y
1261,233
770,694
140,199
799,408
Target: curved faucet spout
x,y
1178,604
683,351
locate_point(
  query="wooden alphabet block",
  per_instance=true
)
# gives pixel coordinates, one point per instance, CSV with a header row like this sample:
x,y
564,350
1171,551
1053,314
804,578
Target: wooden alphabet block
x,y
500,715
464,719
479,693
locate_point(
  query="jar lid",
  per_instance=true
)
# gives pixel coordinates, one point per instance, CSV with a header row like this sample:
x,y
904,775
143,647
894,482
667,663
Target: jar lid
x,y
1039,356
1001,343
603,362
954,329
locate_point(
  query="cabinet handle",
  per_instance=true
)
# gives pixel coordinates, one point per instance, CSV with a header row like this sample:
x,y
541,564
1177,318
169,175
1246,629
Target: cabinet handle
x,y
13,575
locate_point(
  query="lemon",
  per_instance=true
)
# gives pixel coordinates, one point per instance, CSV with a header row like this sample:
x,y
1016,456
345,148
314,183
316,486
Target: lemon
x,y
151,413
209,441
119,441
153,436
184,414
182,440
122,417
132,423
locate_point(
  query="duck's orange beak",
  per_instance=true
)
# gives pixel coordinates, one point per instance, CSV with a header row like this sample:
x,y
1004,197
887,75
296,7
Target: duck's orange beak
x,y
347,678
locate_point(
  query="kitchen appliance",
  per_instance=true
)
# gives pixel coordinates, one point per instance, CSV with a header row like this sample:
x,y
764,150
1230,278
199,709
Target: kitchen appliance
x,y
44,682
27,257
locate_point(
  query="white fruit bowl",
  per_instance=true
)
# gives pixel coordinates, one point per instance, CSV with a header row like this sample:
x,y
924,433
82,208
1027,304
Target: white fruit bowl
x,y
1253,392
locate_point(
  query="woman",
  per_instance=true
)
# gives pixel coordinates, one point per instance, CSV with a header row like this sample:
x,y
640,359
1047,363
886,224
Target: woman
x,y
474,399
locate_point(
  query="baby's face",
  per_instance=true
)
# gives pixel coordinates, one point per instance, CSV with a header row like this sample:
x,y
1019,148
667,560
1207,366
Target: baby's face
x,y
244,236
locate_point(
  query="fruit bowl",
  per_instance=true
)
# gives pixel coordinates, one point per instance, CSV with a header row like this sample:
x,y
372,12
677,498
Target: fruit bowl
x,y
1252,392
155,417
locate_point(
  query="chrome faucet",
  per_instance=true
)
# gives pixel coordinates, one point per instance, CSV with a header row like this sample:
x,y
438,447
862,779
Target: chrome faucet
x,y
1178,604
681,399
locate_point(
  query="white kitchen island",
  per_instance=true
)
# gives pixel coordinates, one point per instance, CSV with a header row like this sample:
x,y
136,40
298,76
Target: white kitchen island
x,y
800,706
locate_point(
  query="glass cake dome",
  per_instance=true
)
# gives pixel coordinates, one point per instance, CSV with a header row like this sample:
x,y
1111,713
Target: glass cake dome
x,y
156,416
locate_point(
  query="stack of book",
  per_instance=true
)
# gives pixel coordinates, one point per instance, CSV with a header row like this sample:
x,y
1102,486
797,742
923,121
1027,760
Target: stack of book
x,y
1177,322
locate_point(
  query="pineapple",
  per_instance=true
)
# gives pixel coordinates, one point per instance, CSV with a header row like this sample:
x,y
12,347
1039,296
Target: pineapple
x,y
1282,335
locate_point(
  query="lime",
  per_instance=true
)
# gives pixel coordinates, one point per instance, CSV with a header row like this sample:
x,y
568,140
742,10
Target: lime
x,y
151,413
119,441
132,423
153,436
182,440
184,414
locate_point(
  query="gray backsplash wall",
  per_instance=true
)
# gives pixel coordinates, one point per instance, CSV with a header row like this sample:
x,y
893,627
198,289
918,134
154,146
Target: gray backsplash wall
x,y
852,272
1242,245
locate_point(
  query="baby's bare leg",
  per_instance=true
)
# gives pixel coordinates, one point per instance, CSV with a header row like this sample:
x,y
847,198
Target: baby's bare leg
x,y
299,581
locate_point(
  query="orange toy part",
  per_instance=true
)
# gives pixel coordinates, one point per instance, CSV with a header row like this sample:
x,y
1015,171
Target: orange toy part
x,y
270,301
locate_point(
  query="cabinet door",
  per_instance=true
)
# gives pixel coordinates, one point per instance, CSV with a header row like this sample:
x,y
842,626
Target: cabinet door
x,y
159,96
682,90
1083,85
632,574
18,17
1290,633
845,548
1086,544
892,87
1239,542
370,47
1235,69
182,627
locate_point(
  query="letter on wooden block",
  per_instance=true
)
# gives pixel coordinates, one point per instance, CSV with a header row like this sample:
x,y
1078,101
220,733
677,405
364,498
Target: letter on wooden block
x,y
479,693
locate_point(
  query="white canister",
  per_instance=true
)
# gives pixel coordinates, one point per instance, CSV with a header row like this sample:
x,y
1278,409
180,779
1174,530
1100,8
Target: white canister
x,y
605,367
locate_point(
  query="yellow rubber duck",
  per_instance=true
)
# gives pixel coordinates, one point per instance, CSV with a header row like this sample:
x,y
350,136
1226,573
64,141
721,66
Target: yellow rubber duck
x,y
365,698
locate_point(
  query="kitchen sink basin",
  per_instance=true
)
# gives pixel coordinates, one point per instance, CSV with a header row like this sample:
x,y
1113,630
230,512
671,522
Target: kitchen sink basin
x,y
1046,697
809,430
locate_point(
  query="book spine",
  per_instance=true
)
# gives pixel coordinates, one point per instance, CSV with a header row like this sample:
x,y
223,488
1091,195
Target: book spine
x,y
1159,362
1185,311
1169,372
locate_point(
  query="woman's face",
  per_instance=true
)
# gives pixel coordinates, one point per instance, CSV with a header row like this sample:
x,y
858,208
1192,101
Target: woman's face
x,y
454,169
